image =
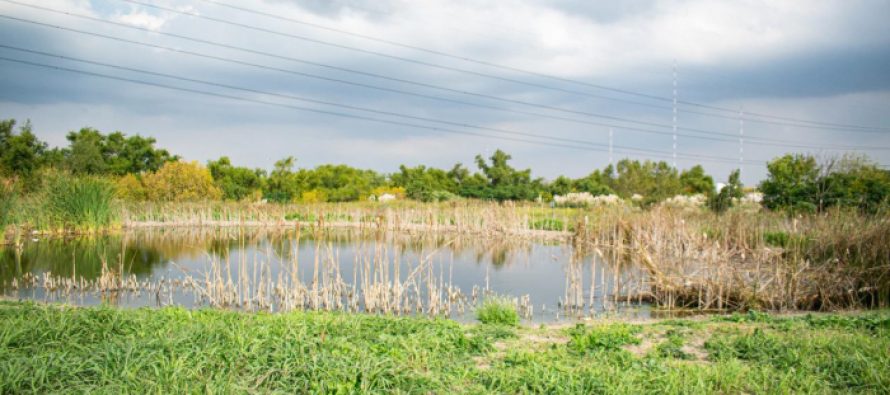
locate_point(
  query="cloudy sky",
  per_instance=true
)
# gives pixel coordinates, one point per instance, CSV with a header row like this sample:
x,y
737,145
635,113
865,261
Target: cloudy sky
x,y
375,84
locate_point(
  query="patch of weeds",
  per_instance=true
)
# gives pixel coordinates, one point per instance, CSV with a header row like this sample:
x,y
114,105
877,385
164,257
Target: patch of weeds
x,y
750,316
607,337
549,224
776,239
871,322
672,347
498,311
758,347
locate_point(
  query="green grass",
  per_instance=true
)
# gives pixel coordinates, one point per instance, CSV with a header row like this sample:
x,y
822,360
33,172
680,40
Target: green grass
x,y
497,311
50,348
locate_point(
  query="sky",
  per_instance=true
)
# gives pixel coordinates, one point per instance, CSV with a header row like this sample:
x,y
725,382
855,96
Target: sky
x,y
376,84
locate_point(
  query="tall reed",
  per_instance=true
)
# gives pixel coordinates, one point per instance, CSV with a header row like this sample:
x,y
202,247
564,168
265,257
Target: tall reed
x,y
81,203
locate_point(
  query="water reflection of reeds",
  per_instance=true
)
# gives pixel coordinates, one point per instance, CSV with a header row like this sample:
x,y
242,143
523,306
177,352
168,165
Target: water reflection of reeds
x,y
269,269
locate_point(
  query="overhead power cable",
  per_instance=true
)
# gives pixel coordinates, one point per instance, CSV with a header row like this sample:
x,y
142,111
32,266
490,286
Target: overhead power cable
x,y
754,140
356,108
490,64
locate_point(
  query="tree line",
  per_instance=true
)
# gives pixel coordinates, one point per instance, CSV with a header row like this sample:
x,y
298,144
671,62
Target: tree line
x,y
142,171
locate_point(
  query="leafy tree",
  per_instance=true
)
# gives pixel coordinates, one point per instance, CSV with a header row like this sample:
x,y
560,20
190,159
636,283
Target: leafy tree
x,y
181,181
134,154
853,182
792,183
695,181
85,152
425,184
236,183
561,186
596,183
20,154
283,185
724,199
341,183
91,152
505,182
655,181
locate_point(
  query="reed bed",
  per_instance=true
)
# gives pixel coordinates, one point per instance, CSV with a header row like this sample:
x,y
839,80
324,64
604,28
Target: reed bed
x,y
617,257
464,217
745,260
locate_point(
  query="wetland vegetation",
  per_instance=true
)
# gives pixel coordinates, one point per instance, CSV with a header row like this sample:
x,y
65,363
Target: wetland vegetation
x,y
111,220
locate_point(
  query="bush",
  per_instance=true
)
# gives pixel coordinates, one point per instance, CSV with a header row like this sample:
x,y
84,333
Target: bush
x,y
181,181
497,311
314,196
130,188
78,202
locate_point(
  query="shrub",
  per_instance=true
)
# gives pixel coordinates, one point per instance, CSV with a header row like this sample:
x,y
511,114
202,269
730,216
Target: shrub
x,y
314,196
497,311
129,187
181,181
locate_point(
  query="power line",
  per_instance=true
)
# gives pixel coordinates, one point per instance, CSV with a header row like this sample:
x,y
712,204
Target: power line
x,y
763,140
315,101
627,150
821,124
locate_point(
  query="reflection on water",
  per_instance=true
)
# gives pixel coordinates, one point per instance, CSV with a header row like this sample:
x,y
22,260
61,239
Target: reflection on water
x,y
293,269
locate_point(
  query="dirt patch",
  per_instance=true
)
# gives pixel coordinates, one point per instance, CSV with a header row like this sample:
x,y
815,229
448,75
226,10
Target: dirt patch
x,y
543,338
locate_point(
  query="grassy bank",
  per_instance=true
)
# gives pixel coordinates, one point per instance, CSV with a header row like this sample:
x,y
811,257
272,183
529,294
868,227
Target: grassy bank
x,y
55,348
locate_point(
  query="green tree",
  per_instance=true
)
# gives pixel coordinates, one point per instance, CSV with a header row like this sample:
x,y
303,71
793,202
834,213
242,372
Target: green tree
x,y
505,182
695,181
853,181
425,184
596,183
655,181
342,183
85,152
283,184
91,152
20,154
236,183
792,183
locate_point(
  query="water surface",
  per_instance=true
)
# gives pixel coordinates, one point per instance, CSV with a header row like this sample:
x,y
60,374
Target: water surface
x,y
439,275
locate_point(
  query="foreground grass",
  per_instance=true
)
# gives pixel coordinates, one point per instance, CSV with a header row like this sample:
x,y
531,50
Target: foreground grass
x,y
55,348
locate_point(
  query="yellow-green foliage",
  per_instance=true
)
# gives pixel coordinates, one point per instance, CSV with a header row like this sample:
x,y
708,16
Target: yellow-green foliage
x,y
314,196
181,181
129,187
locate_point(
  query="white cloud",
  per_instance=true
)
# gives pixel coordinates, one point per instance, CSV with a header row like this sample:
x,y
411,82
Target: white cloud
x,y
142,19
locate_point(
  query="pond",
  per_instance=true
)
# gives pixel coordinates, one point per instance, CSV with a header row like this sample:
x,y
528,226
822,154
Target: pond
x,y
349,270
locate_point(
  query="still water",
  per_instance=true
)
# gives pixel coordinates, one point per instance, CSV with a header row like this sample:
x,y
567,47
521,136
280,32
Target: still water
x,y
386,273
